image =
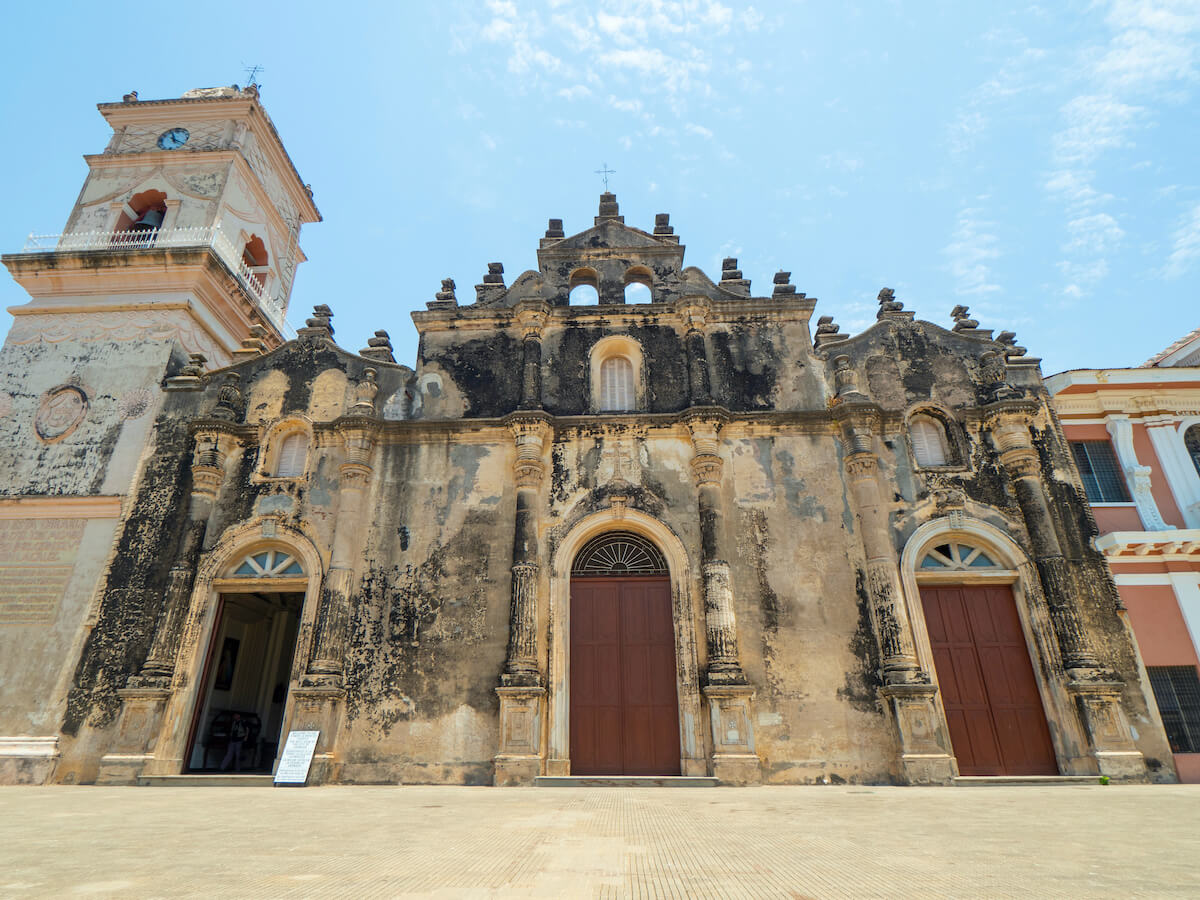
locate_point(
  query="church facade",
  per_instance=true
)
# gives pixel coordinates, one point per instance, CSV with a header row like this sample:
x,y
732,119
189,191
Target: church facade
x,y
688,537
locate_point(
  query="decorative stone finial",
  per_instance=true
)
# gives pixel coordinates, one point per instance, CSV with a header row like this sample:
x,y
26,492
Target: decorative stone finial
x,y
962,319
729,269
364,394
194,367
888,303
555,229
609,211
493,285
379,347
1009,340
445,298
662,224
783,283
828,332
319,325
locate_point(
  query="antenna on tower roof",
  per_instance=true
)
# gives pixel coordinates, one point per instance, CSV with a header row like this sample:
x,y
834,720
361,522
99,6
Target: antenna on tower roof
x,y
252,74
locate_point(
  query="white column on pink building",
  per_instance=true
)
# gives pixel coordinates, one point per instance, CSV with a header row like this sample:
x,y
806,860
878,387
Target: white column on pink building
x,y
1137,475
1166,436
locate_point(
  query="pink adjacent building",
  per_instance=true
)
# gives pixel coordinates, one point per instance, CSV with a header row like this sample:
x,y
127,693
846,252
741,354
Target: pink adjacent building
x,y
1135,434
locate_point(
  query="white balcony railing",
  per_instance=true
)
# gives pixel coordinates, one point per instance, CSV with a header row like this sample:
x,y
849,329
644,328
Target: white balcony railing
x,y
158,238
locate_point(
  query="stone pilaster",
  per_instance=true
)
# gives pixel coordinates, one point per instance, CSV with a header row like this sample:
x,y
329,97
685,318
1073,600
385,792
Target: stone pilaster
x,y
145,695
889,613
728,693
214,445
924,739
531,316
358,432
1008,423
521,690
699,387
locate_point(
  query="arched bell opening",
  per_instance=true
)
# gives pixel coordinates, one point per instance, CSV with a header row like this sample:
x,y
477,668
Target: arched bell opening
x,y
141,218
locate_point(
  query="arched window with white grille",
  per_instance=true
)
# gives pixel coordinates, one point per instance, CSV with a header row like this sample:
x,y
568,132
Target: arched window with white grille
x,y
293,453
929,444
616,384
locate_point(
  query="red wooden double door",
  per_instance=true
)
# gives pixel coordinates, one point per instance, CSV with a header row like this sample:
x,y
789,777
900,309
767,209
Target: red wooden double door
x,y
624,702
993,707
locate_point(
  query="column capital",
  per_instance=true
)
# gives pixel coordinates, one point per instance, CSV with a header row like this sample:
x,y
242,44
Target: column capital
x,y
862,464
694,313
529,423
531,316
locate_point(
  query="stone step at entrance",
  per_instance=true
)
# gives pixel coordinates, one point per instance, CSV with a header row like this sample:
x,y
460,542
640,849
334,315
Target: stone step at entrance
x,y
993,780
223,780
624,781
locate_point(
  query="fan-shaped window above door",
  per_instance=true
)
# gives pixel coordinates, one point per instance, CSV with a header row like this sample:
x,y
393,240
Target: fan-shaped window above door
x,y
619,553
269,564
953,556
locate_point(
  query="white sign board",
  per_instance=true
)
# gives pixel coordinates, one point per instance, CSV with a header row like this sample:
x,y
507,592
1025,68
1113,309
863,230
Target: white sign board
x,y
297,757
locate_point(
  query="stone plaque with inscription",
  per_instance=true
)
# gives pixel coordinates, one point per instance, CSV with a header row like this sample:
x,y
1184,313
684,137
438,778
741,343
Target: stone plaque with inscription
x,y
37,557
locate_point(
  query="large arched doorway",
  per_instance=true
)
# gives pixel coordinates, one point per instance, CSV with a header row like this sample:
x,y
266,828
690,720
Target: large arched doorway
x,y
241,703
624,710
980,655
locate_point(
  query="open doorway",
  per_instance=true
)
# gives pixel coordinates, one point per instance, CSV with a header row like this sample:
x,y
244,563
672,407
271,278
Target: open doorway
x,y
245,683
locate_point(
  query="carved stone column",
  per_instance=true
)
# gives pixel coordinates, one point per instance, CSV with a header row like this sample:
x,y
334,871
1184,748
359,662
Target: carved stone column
x,y
521,690
1096,691
213,448
699,387
358,434
531,316
145,695
924,739
728,693
320,697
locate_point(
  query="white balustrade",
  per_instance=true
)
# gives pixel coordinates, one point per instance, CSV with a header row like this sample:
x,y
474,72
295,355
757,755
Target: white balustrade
x,y
159,238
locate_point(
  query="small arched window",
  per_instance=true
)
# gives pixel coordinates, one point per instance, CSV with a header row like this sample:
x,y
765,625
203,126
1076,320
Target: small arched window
x,y
1191,440
293,453
616,384
929,444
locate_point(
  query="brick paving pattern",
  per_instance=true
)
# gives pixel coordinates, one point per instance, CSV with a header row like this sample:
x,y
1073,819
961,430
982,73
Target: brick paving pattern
x,y
1073,841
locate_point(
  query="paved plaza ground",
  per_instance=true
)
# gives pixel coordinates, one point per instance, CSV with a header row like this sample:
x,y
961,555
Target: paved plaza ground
x,y
1079,841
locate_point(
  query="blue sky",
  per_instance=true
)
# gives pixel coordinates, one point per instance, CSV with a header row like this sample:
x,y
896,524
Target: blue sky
x,y
1037,163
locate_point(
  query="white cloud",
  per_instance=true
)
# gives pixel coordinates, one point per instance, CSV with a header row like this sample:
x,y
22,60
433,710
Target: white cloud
x,y
1152,53
693,128
488,141
633,106
1097,234
1186,248
840,162
575,92
971,248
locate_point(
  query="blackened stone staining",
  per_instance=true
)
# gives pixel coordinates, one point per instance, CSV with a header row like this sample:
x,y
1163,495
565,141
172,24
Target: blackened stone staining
x,y
773,471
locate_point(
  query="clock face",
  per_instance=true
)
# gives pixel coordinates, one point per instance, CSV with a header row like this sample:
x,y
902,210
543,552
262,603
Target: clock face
x,y
173,139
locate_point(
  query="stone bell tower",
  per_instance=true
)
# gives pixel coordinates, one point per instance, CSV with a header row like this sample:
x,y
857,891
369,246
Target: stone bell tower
x,y
180,252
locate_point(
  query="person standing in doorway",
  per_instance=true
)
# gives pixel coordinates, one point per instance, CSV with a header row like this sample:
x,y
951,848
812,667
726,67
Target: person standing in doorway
x,y
238,732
